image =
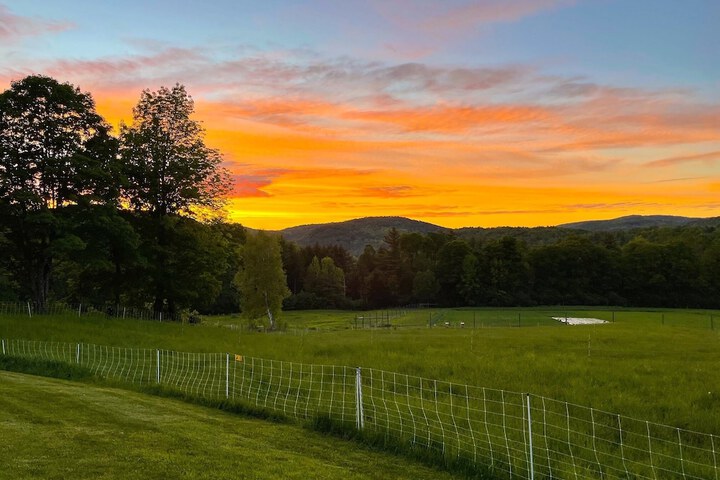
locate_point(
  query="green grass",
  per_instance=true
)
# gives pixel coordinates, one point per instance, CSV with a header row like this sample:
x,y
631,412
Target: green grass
x,y
59,429
658,365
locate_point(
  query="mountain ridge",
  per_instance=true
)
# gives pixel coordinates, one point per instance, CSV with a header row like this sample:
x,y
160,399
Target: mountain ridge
x,y
355,234
630,222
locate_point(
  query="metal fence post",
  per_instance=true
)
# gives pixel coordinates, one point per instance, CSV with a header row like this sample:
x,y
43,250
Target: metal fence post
x,y
77,354
227,375
29,310
158,366
360,420
530,458
3,346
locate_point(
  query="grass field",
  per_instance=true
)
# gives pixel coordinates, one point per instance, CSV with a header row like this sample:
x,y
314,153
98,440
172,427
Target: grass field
x,y
59,429
656,365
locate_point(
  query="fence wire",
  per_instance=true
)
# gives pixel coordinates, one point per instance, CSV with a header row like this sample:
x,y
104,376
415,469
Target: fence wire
x,y
516,435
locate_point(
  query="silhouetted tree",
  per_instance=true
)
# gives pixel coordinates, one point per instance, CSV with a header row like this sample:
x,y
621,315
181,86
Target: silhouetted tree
x,y
170,172
55,151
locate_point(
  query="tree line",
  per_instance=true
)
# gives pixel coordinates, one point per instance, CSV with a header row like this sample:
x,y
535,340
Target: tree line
x,y
89,216
134,219
654,267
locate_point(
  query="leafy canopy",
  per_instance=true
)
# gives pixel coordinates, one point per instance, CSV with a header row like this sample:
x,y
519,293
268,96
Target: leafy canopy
x,y
169,167
54,147
261,279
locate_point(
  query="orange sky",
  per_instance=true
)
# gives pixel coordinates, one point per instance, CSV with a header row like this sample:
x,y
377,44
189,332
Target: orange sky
x,y
487,166
458,113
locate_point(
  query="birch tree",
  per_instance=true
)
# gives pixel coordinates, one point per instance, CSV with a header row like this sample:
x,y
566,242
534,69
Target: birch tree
x,y
261,280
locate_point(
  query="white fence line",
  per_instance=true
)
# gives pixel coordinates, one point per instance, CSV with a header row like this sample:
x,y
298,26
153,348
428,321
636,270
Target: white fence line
x,y
516,435
29,309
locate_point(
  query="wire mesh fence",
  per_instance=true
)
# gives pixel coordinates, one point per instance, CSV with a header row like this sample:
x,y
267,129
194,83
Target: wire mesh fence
x,y
31,309
516,435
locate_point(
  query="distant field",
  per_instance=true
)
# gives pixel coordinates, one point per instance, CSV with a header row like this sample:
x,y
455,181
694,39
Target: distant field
x,y
480,317
57,429
659,365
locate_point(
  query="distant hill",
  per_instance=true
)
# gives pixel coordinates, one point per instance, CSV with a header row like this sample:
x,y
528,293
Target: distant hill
x,y
631,222
355,234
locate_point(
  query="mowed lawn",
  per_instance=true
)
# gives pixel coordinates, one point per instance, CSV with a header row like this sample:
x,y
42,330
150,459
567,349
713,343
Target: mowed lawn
x,y
58,429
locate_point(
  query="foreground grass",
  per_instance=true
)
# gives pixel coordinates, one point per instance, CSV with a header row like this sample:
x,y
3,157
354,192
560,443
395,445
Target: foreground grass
x,y
658,365
59,429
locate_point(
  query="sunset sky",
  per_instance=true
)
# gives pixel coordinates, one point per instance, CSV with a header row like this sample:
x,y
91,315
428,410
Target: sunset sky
x,y
459,113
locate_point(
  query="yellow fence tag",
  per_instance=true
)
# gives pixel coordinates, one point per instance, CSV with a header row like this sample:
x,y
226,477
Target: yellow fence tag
x,y
238,358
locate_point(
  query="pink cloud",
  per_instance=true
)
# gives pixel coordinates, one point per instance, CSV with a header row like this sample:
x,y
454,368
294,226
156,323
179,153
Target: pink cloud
x,y
407,110
491,11
13,27
131,71
250,185
448,19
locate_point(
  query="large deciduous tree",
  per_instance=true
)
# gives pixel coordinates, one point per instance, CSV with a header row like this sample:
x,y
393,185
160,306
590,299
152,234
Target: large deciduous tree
x,y
169,167
55,151
171,172
261,279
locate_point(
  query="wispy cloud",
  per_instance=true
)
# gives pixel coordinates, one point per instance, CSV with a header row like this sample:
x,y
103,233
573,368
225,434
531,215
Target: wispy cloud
x,y
13,27
473,13
452,17
708,157
312,126
395,191
609,206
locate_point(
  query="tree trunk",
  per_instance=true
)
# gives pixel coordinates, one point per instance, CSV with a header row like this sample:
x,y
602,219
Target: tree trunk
x,y
38,264
171,309
269,313
118,280
41,269
158,304
160,268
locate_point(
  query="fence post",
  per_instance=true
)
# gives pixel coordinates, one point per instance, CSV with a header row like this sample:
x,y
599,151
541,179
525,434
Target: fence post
x,y
158,366
29,310
530,458
227,375
360,420
3,346
80,310
77,354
